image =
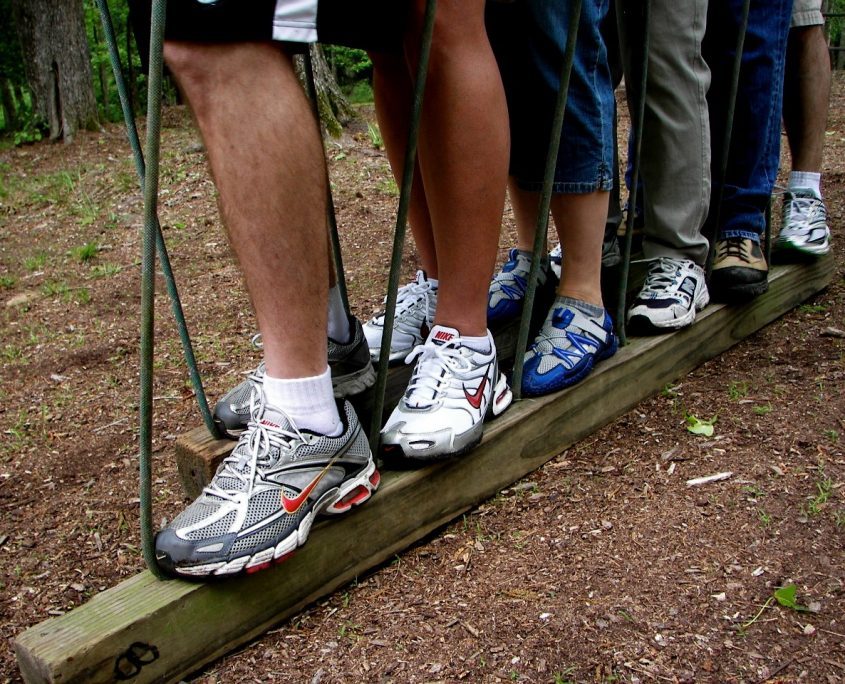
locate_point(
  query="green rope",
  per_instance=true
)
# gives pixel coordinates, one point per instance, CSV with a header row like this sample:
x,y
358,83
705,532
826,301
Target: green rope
x,y
635,175
148,281
401,224
726,143
169,278
331,215
546,197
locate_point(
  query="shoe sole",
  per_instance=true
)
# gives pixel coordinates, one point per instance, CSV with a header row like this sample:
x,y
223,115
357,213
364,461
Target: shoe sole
x,y
354,383
399,454
739,293
348,495
783,250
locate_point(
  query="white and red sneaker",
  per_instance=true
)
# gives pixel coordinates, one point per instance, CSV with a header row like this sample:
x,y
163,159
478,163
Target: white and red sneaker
x,y
454,387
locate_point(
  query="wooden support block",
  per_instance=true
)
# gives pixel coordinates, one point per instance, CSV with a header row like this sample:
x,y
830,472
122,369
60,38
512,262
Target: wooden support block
x,y
161,631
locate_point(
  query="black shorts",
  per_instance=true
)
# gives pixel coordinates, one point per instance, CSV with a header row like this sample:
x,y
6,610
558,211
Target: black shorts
x,y
367,24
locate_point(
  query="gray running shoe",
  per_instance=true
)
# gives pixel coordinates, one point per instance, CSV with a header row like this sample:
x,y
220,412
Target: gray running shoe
x,y
262,502
351,369
804,231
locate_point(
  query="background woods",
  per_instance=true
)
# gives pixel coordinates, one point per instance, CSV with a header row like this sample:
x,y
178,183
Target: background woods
x,y
55,75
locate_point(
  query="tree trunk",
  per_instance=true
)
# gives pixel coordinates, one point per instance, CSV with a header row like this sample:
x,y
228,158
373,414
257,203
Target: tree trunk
x,y
7,100
335,110
58,65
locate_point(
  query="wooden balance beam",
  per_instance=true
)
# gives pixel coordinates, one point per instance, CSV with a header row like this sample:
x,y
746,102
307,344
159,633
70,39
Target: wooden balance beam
x,y
145,630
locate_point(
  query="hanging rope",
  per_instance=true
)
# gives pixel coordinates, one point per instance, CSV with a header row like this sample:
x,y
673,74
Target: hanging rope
x,y
726,143
331,216
401,224
546,197
148,280
164,259
639,118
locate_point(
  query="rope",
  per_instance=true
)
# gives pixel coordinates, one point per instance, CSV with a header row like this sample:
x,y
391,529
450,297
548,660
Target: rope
x,y
726,143
622,297
169,278
331,216
401,224
148,280
546,197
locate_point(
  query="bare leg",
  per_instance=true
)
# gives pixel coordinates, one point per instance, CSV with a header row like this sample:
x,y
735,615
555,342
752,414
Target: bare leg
x,y
272,183
806,96
580,221
463,153
393,92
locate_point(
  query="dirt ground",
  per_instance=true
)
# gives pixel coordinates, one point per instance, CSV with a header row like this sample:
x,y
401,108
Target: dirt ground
x,y
601,566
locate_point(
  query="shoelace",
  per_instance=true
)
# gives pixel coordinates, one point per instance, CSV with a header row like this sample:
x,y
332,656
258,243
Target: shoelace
x,y
663,276
428,376
734,247
408,295
260,438
804,211
574,334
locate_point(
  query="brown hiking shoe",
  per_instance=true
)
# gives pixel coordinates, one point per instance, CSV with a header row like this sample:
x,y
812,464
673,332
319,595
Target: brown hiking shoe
x,y
739,271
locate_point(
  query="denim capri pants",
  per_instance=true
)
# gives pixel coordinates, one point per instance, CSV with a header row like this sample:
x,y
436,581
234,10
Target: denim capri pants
x,y
529,40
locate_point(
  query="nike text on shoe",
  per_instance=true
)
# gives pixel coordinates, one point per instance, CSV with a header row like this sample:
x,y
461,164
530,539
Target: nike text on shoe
x,y
452,390
739,270
804,231
507,289
350,366
674,290
566,349
416,304
262,501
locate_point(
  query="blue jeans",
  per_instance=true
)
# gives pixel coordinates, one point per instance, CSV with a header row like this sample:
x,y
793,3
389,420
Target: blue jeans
x,y
529,40
755,138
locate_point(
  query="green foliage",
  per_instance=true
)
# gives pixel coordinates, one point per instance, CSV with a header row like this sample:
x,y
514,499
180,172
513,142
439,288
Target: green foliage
x,y
350,65
699,426
105,87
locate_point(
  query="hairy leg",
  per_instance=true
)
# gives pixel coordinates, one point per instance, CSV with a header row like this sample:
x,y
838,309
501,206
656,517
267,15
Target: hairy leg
x,y
267,161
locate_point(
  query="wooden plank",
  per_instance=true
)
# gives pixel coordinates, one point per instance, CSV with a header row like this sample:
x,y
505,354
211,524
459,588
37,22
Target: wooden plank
x,y
178,626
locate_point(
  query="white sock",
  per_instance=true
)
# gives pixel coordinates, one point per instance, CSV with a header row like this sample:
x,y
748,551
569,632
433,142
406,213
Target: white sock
x,y
308,402
807,180
482,345
434,282
338,320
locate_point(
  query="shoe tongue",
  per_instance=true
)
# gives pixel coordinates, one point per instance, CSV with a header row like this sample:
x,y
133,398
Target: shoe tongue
x,y
441,334
274,418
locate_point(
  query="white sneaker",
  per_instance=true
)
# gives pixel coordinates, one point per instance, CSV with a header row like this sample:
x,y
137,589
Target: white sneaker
x,y
452,390
416,303
673,291
804,229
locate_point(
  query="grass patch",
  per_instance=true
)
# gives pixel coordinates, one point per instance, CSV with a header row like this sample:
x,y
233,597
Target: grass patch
x,y
106,270
35,262
86,252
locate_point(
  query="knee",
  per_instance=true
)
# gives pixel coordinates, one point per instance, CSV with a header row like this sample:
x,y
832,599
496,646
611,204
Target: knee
x,y
187,63
457,24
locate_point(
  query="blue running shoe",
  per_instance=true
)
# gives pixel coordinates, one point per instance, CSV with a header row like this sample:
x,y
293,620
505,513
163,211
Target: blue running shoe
x,y
507,289
566,349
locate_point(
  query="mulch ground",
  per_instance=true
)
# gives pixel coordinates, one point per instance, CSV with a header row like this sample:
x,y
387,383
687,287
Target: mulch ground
x,y
602,566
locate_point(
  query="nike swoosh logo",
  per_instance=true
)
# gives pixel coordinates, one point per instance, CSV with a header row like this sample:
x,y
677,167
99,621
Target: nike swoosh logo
x,y
476,397
291,506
